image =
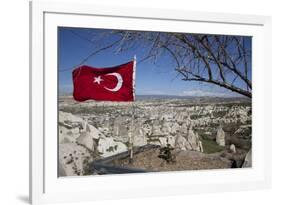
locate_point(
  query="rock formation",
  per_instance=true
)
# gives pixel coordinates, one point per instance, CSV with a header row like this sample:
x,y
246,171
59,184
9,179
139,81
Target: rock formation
x,y
248,160
175,122
200,147
190,142
192,139
76,134
220,139
167,140
72,158
232,148
108,147
181,143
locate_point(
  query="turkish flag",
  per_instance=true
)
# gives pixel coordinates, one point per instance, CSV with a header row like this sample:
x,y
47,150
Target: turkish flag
x,y
104,84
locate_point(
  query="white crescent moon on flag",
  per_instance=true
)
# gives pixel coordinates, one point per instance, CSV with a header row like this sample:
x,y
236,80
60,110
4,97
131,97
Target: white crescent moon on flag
x,y
119,83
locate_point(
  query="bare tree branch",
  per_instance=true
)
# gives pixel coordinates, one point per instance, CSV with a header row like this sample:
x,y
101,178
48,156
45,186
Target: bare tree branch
x,y
216,59
91,55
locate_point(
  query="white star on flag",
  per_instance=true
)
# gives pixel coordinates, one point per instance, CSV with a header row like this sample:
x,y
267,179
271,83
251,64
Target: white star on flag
x,y
98,80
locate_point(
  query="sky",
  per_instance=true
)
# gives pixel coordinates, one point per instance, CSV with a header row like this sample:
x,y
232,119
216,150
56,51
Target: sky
x,y
75,44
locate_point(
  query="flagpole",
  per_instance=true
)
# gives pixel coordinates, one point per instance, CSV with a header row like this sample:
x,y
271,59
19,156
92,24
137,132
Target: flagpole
x,y
131,137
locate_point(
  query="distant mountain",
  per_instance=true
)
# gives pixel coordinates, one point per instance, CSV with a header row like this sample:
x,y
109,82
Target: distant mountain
x,y
190,99
194,98
150,97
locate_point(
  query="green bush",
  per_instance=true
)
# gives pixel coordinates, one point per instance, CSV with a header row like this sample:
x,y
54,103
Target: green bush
x,y
166,154
210,146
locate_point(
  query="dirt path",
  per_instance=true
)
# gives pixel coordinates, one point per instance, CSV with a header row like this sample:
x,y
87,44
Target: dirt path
x,y
185,160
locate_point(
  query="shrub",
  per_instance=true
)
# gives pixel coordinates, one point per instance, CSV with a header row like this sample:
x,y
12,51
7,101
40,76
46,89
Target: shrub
x,y
210,146
166,154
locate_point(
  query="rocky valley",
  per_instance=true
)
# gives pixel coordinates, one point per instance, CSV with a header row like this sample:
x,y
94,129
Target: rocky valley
x,y
186,134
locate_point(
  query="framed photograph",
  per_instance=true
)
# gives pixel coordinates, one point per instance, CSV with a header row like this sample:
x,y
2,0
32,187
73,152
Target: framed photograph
x,y
129,102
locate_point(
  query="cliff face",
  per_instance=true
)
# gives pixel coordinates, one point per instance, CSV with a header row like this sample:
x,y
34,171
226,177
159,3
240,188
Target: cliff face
x,y
80,143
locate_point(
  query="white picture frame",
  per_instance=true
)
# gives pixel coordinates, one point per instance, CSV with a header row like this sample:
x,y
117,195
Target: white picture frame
x,y
46,187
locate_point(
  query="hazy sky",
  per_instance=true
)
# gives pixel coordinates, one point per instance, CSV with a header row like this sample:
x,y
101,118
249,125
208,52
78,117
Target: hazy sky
x,y
151,79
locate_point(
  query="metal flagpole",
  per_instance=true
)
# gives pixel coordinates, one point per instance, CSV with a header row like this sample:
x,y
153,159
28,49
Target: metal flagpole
x,y
131,131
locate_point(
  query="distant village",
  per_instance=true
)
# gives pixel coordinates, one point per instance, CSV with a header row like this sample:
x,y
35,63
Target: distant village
x,y
193,135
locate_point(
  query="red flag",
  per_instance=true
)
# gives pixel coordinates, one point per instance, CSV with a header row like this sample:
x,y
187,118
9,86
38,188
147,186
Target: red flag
x,y
104,84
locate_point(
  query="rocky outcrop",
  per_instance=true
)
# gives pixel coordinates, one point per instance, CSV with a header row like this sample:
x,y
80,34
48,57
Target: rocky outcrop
x,y
62,172
164,141
241,113
220,138
98,143
69,118
232,148
248,160
69,127
139,140
181,143
242,137
193,139
190,142
79,132
73,159
90,138
107,147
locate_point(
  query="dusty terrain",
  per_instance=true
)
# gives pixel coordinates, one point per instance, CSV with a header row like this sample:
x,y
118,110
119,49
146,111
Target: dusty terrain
x,y
205,133
185,160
